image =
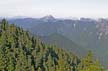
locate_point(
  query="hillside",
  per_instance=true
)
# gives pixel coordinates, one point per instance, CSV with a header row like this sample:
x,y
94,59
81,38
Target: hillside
x,y
20,51
63,42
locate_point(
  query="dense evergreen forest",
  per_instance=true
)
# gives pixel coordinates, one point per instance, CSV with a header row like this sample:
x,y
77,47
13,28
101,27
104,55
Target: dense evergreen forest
x,y
20,51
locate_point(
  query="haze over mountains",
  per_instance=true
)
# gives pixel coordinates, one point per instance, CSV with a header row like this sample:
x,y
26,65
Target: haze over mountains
x,y
88,33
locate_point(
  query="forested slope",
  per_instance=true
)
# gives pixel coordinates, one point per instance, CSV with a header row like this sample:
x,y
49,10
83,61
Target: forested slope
x,y
65,43
20,51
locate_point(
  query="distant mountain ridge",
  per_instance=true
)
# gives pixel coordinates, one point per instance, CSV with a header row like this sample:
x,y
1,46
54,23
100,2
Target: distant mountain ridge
x,y
48,18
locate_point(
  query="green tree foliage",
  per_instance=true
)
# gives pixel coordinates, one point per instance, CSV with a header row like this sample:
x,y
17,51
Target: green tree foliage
x,y
89,64
19,51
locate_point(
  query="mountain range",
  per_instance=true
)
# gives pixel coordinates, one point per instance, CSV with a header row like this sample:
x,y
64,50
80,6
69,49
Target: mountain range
x,y
91,34
21,51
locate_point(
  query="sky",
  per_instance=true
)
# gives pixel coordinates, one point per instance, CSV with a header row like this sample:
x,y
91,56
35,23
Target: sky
x,y
57,8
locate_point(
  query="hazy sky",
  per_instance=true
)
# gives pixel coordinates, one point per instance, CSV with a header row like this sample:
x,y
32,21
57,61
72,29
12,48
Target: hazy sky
x,y
57,8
